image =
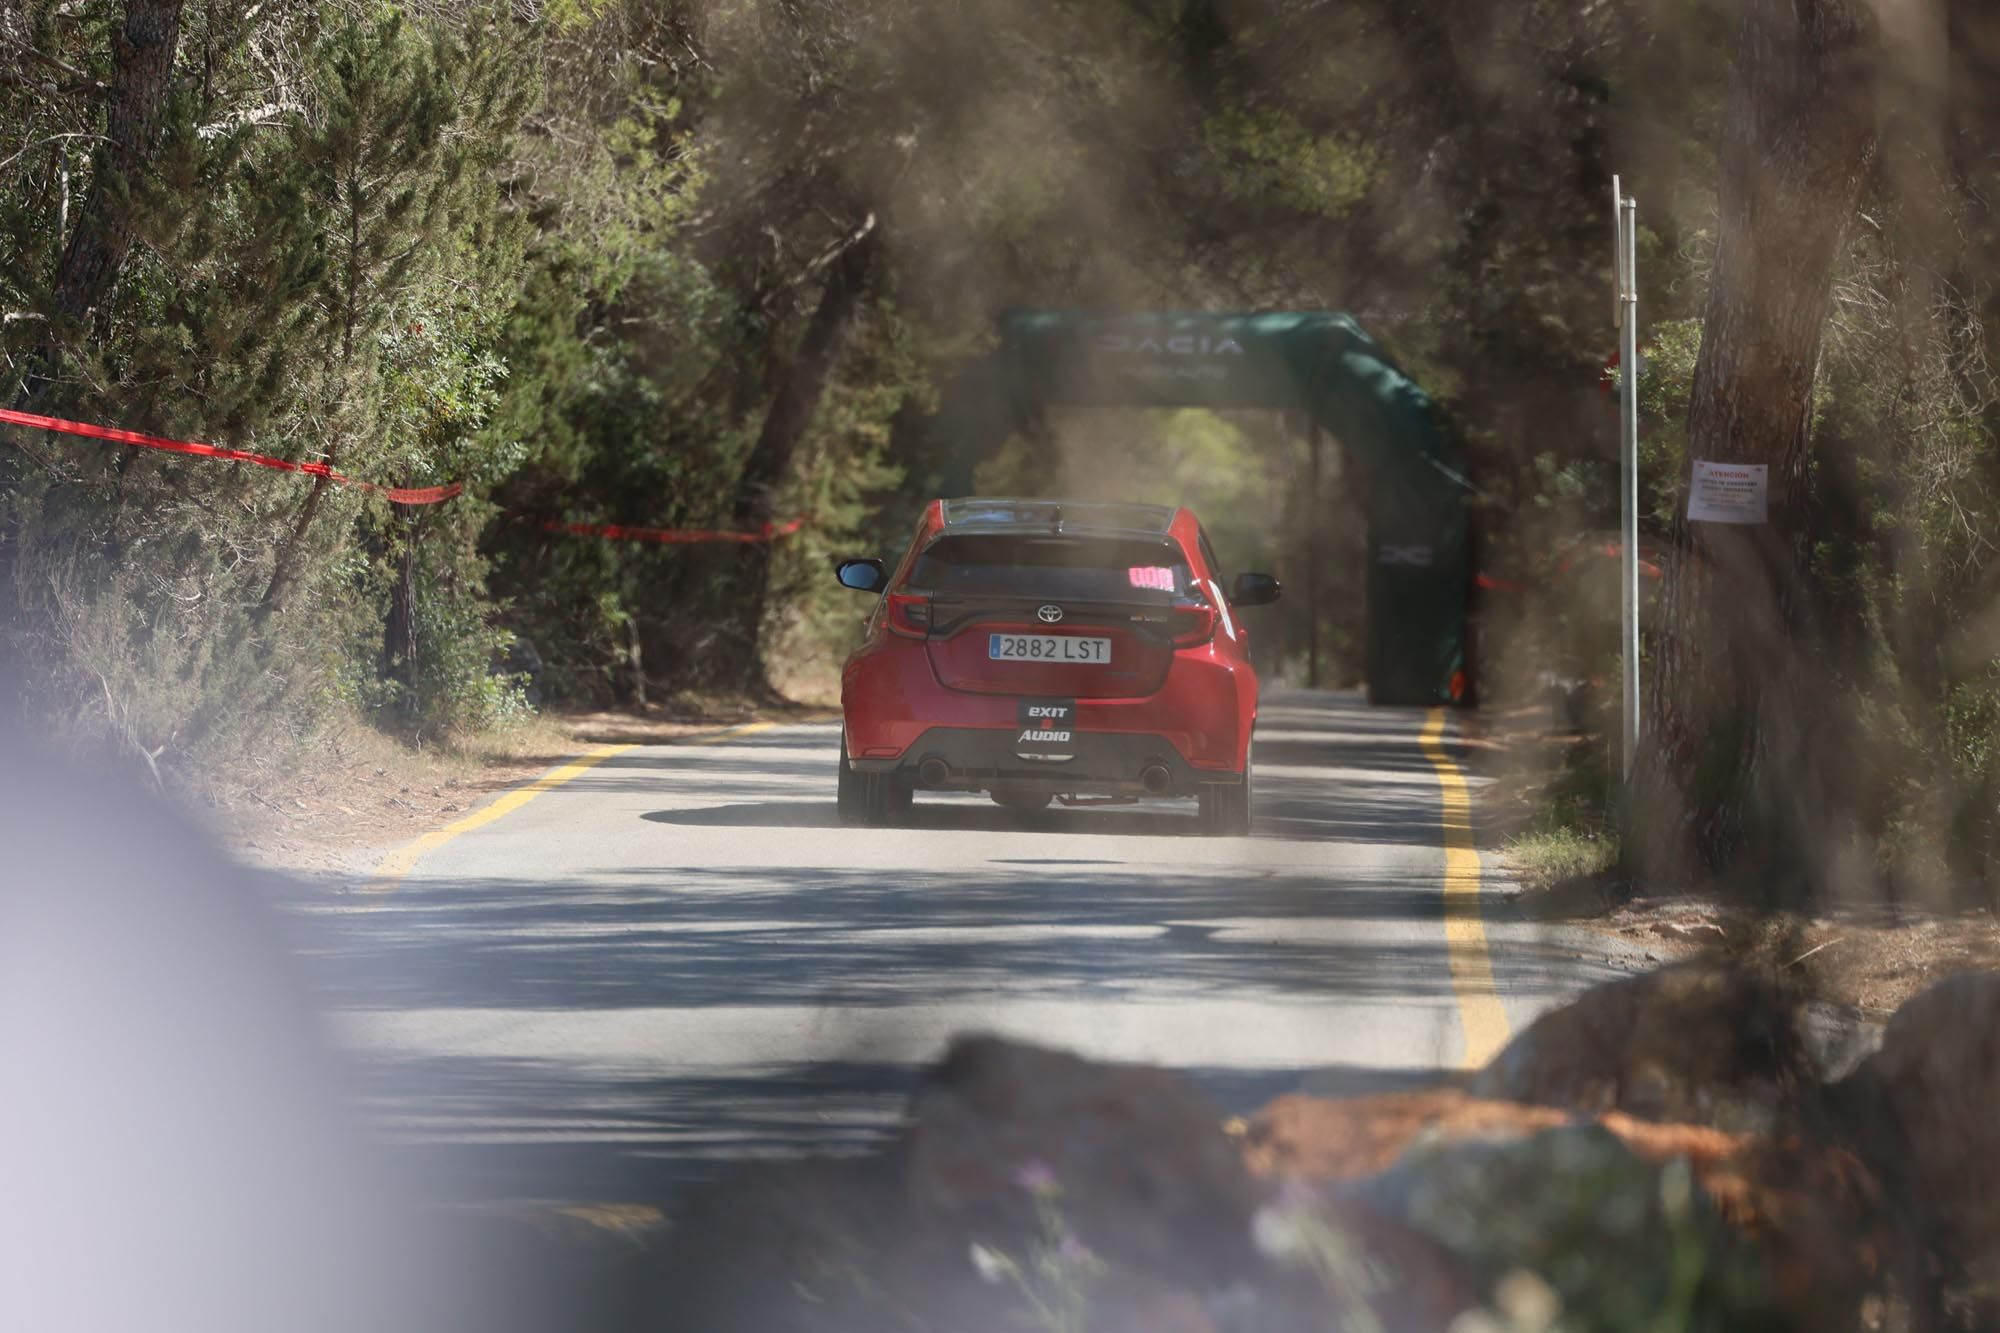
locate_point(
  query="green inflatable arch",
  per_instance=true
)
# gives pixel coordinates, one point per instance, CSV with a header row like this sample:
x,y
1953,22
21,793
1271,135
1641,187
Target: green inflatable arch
x,y
1318,362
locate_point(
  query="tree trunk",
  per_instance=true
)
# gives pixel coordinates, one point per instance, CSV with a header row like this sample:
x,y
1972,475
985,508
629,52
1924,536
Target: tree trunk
x,y
142,52
87,270
745,586
1725,785
399,631
284,567
143,58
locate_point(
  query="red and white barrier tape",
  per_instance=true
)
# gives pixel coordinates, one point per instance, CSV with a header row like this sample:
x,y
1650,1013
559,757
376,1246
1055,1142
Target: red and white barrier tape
x,y
409,495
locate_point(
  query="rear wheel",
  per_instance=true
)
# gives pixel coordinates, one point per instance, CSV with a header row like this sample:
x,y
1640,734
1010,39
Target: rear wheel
x,y
870,798
896,796
850,798
1225,810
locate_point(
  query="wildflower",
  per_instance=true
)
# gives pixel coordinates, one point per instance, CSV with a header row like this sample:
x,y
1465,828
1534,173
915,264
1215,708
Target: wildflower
x,y
1279,1228
1277,1233
991,1265
1527,1301
1035,1176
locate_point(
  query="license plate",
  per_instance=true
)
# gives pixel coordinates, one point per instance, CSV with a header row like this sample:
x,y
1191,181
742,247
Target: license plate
x,y
1048,648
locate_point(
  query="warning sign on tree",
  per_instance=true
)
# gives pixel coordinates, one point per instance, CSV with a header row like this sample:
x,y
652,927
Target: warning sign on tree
x,y
1729,493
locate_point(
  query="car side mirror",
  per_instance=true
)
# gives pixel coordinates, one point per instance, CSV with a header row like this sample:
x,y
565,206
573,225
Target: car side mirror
x,y
1254,590
862,575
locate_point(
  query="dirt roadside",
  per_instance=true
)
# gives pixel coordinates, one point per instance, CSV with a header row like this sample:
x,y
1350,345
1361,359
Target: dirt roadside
x,y
1868,958
354,792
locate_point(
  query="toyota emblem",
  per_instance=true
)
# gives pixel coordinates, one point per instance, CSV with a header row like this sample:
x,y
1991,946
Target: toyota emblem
x,y
1049,615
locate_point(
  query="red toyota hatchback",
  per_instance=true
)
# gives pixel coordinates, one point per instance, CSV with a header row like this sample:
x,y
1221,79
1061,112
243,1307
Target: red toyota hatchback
x,y
1040,648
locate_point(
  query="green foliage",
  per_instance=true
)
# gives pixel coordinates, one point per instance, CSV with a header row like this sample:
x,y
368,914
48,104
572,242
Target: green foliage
x,y
1619,1242
324,273
1972,741
1665,382
568,262
1271,156
1560,854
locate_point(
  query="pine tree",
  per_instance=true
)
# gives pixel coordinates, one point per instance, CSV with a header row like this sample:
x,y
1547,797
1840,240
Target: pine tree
x,y
376,169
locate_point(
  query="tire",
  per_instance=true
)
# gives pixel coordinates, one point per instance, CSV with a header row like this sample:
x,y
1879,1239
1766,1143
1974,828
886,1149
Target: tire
x,y
1225,810
870,799
851,796
894,797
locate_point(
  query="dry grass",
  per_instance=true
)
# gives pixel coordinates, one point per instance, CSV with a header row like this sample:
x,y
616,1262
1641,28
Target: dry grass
x,y
1872,959
1877,959
1545,858
352,788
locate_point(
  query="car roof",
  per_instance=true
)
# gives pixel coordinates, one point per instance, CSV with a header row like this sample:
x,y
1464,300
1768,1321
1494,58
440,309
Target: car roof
x,y
1066,517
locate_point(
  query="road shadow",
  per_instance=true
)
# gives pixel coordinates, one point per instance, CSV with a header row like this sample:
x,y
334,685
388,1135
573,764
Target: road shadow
x,y
1387,801
939,817
764,934
577,1133
801,919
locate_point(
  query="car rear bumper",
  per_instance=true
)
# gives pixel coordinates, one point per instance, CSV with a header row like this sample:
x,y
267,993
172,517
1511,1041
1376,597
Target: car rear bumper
x,y
1200,718
979,758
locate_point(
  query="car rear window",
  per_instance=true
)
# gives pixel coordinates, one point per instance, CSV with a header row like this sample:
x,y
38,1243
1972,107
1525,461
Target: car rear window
x,y
1076,568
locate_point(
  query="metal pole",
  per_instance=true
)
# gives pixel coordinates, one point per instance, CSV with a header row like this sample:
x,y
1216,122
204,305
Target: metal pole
x,y
1312,559
1628,468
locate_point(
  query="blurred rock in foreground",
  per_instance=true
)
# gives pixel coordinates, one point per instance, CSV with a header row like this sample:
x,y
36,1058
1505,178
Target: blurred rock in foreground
x,y
1694,1042
1924,1111
1035,1189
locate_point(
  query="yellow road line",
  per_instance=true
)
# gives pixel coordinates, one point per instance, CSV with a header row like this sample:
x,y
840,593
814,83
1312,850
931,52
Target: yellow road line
x,y
717,737
400,862
1479,1007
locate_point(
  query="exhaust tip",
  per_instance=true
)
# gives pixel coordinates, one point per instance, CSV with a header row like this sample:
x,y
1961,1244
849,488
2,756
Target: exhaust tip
x,y
1155,778
933,772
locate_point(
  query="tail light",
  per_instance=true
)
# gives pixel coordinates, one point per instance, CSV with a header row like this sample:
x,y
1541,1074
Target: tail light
x,y
1192,622
910,614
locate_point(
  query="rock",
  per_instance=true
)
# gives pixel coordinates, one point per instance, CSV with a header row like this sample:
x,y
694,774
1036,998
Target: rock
x,y
1135,1158
1804,1214
1690,932
1112,1187
1322,1138
1350,1266
1343,1138
1692,1042
1924,1102
807,1247
1809,1212
1619,1238
1115,1193
1126,1300
1838,1038
1814,1210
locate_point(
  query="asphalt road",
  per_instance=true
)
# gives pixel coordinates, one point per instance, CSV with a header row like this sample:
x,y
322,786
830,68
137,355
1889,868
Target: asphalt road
x,y
677,957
